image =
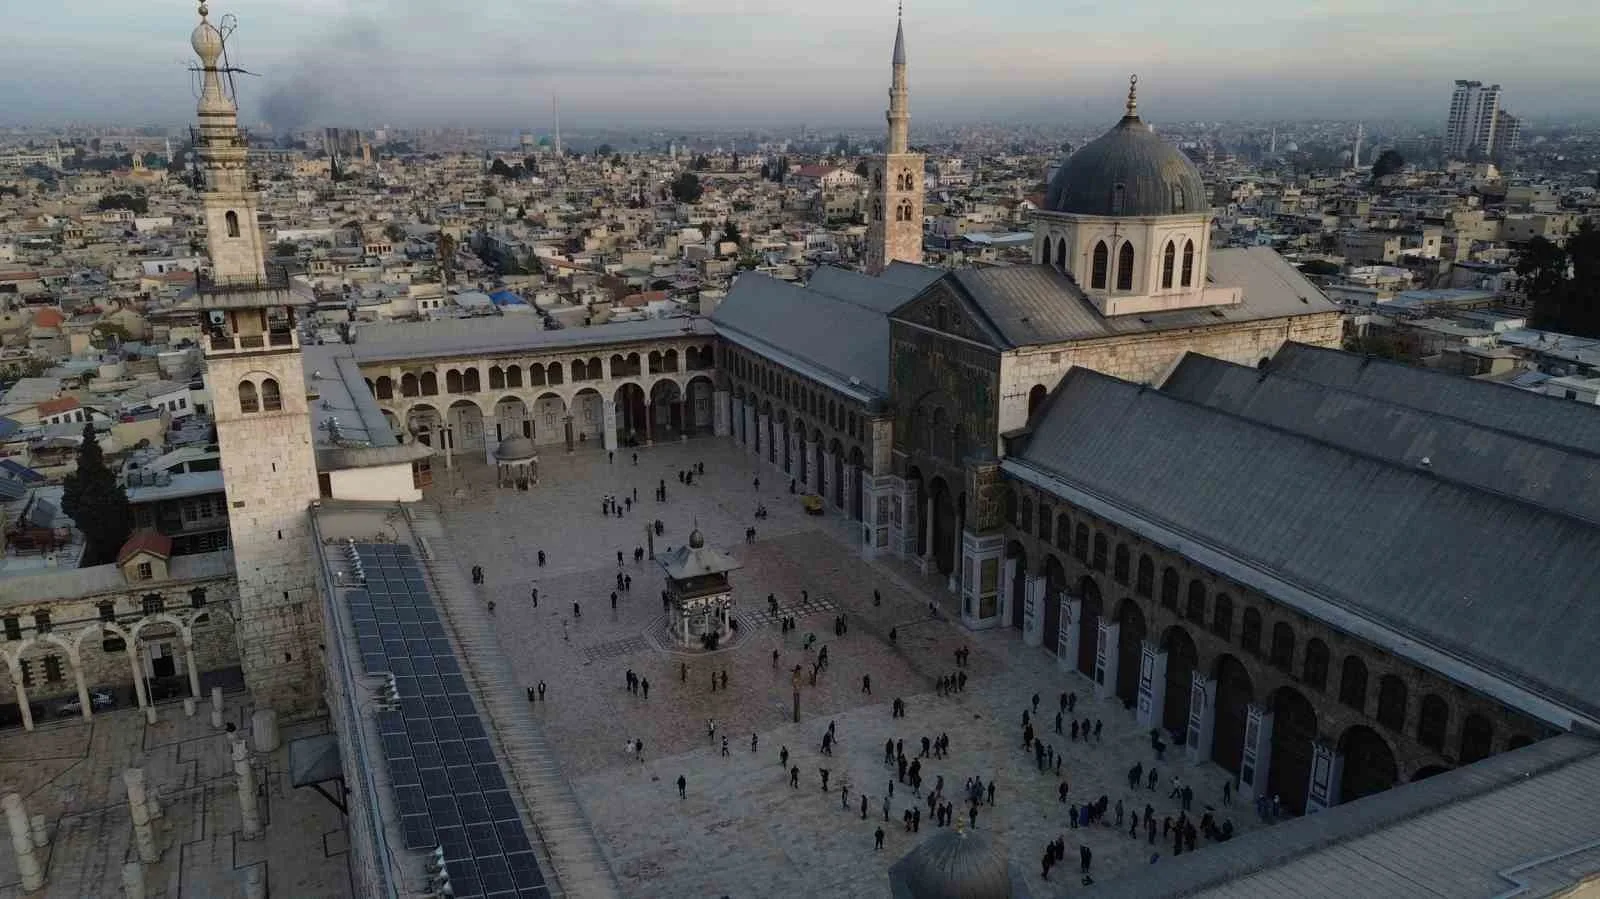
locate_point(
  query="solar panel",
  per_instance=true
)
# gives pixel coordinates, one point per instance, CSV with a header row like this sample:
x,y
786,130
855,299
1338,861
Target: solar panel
x,y
449,789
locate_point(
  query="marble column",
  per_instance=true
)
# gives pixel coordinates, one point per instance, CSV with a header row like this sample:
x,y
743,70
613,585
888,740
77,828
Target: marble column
x,y
1327,768
719,413
1152,685
1257,759
1106,659
1202,716
1034,598
1067,636
608,414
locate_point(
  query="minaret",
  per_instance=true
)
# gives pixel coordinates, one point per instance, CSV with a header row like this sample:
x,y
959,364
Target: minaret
x,y
1355,153
258,392
894,196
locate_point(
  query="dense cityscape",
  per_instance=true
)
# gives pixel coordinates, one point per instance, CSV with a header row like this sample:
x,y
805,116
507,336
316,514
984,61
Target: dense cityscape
x,y
1151,507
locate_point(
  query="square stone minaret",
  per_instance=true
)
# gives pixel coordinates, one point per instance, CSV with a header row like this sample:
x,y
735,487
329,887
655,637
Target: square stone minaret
x,y
258,391
894,197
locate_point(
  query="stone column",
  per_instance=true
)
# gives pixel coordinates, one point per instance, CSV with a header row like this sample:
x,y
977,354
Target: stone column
x,y
736,419
1257,752
1202,716
1327,768
1034,589
250,810
608,423
138,676
752,437
1152,685
926,550
850,475
1106,659
1068,635
133,880
720,400
216,708
764,434
144,833
188,662
22,693
21,843
85,707
910,516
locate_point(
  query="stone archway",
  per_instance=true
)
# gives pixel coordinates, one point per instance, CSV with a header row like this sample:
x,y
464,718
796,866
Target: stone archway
x,y
666,410
1017,590
1294,731
550,418
1235,693
702,395
944,523
1055,584
1182,659
466,426
422,423
1092,607
1130,645
1369,765
630,404
511,418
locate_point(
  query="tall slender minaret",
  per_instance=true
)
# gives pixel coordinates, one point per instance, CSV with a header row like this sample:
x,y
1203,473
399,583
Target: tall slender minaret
x,y
258,392
894,196
1355,153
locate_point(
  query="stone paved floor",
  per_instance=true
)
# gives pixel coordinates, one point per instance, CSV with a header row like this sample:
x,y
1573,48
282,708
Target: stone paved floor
x,y
71,772
742,831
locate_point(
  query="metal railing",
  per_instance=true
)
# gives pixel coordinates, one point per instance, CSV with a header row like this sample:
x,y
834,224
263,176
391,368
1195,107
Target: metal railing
x,y
276,277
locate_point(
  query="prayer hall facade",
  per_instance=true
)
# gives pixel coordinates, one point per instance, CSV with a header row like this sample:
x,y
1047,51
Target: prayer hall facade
x,y
1143,452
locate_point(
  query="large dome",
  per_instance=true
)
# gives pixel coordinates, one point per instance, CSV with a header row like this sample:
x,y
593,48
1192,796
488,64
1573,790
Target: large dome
x,y
1128,171
515,448
956,864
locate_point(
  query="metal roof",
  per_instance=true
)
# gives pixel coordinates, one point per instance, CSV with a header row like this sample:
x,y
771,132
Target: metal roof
x,y
1515,824
955,864
884,294
1543,473
1456,577
494,335
1492,405
1035,304
1132,161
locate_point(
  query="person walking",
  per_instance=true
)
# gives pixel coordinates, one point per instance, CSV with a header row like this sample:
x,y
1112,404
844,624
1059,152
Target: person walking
x,y
541,565
533,594
783,756
682,783
866,684
541,691
877,836
1084,858
863,806
724,746
794,778
752,742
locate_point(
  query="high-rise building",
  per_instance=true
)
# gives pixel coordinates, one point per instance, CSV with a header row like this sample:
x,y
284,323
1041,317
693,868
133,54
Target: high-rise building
x,y
1507,133
258,388
1474,113
894,201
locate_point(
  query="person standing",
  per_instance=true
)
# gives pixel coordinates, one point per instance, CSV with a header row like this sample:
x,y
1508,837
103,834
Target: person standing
x,y
877,835
794,779
682,783
1084,857
752,742
724,746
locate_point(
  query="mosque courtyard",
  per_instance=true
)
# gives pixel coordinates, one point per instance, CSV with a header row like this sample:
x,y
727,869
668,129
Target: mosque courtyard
x,y
741,830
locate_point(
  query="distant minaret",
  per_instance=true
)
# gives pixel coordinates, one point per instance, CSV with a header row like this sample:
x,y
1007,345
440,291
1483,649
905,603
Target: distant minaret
x,y
555,104
894,197
1272,148
1355,154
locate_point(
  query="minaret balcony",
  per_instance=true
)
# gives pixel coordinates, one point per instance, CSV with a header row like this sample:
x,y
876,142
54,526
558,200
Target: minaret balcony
x,y
236,344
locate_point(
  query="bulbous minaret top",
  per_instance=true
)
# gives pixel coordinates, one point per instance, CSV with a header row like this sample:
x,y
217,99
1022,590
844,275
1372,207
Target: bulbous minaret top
x,y
207,42
899,114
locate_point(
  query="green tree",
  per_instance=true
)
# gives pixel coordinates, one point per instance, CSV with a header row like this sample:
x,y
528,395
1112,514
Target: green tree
x,y
394,232
499,168
730,233
1570,305
686,188
107,334
96,503
285,248
138,204
1388,162
699,163
862,169
603,150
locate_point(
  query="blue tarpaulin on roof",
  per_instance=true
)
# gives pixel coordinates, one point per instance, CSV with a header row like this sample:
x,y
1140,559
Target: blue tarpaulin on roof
x,y
507,298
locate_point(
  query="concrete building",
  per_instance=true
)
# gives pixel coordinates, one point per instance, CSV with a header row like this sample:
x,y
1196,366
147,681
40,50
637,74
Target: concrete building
x,y
1477,125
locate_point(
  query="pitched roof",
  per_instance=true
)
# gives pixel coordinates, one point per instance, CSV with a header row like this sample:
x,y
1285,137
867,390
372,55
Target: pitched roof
x,y
60,404
1493,591
1031,305
145,541
1540,472
890,290
1549,418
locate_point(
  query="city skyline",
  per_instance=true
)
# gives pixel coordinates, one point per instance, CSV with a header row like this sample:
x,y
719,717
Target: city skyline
x,y
646,63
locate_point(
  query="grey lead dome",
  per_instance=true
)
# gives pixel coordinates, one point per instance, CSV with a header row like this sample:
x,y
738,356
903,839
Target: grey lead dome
x,y
1151,175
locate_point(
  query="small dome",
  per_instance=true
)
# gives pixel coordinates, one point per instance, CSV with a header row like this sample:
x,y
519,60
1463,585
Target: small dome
x,y
956,864
1129,171
515,448
696,539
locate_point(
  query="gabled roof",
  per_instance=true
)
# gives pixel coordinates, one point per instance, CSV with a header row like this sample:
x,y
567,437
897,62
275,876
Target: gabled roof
x,y
145,541
890,290
60,404
1492,591
1540,417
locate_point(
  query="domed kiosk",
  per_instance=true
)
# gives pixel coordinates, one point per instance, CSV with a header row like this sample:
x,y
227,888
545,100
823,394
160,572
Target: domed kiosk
x,y
698,593
1128,217
516,462
956,864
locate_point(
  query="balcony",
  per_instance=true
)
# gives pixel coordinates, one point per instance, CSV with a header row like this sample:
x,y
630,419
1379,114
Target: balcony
x,y
276,278
220,344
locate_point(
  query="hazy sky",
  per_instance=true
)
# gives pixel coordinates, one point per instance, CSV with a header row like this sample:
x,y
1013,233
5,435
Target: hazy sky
x,y
678,63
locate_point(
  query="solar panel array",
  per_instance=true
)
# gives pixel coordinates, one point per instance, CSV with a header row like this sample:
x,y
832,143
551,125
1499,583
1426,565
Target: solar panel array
x,y
448,786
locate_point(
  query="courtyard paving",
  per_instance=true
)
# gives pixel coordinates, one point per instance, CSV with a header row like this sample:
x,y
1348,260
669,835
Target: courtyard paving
x,y
741,830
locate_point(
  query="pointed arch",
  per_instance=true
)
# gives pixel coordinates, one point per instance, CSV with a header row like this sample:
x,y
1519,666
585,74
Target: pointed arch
x,y
271,399
1169,259
1097,268
1188,263
248,400
1061,253
232,220
1125,260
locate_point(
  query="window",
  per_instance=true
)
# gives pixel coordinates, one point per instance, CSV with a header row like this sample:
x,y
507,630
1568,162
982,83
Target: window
x,y
145,572
1195,608
52,669
13,628
1250,632
197,598
1169,258
1119,564
1178,199
271,401
1477,735
108,611
1282,654
1146,584
41,621
1188,263
1080,543
1125,267
1432,721
247,398
1315,669
27,673
1102,261
1353,683
232,219
153,603
1392,702
1222,616
1169,588
1046,516
1100,547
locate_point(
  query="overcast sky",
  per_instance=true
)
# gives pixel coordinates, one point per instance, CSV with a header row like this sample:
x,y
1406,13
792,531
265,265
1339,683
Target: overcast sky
x,y
680,63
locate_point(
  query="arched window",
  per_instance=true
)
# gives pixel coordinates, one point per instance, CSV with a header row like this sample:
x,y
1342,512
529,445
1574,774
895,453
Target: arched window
x,y
1353,683
1392,702
1125,266
1047,516
232,218
1169,588
1146,583
1250,632
1282,653
247,398
1035,399
514,375
385,388
452,381
877,210
1063,532
1315,670
1080,543
1097,271
1169,259
271,400
408,385
1432,721
1477,734
904,215
1061,254
1100,551
1195,608
497,377
430,384
1119,564
1188,263
1222,616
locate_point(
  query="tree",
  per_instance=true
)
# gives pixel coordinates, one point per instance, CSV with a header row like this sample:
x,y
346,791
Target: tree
x,y
499,167
1388,162
603,150
394,232
730,233
1320,267
135,203
96,503
686,188
699,163
1569,305
862,169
